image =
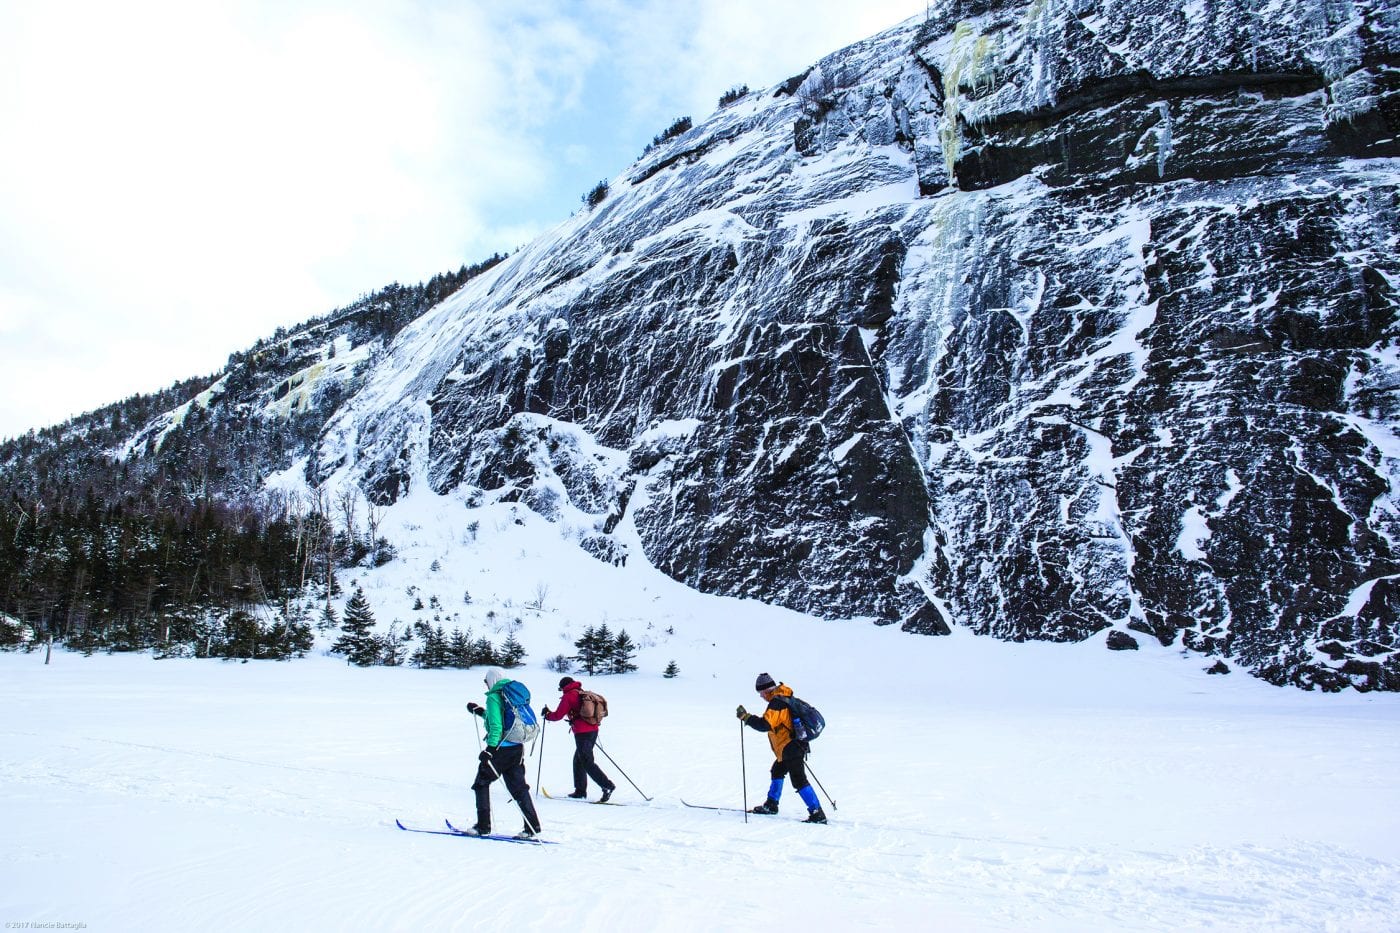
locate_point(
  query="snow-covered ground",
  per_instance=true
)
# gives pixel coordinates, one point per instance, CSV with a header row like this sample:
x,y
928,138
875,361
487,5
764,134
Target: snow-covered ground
x,y
977,785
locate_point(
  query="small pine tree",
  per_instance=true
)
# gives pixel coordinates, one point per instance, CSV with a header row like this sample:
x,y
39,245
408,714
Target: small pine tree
x,y
394,646
329,620
593,649
241,635
596,195
671,670
358,642
623,651
428,648
512,653
482,652
459,649
733,94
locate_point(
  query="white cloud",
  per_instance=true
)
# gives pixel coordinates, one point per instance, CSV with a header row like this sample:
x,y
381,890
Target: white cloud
x,y
180,178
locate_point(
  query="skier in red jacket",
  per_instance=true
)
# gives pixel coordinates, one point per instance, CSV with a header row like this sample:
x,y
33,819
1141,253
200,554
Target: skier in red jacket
x,y
585,737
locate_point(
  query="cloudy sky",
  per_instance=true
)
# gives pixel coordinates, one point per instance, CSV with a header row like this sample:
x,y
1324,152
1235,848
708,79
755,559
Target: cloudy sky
x,y
178,179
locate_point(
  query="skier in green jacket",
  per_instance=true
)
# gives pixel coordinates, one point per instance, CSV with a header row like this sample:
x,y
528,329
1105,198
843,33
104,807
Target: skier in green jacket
x,y
502,757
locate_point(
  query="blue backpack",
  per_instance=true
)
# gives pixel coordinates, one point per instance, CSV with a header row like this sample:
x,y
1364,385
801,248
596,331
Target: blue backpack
x,y
518,722
807,723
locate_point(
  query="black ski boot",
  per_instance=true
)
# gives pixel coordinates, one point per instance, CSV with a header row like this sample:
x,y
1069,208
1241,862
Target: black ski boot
x,y
815,816
607,794
769,806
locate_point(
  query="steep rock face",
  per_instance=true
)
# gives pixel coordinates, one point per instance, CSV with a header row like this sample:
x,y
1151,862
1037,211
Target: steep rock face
x,y
1042,318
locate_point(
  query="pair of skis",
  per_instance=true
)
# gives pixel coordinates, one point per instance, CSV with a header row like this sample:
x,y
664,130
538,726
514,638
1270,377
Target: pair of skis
x,y
608,803
496,837
454,831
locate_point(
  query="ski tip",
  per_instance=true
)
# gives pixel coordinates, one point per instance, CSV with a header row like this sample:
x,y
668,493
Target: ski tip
x,y
399,824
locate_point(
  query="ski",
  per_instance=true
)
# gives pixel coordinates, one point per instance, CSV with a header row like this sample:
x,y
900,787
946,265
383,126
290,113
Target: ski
x,y
454,831
462,832
606,803
701,806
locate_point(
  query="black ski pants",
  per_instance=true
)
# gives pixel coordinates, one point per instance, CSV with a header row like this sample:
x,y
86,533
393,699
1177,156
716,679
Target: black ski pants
x,y
508,763
585,767
792,764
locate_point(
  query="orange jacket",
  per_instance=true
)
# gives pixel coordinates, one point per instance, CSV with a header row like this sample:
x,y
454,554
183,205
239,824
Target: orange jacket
x,y
776,721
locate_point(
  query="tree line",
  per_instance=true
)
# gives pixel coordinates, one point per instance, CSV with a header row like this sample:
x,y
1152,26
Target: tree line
x,y
121,530
601,652
125,577
363,646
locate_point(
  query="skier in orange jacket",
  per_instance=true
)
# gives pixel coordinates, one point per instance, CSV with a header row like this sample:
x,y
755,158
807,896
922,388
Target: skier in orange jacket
x,y
790,751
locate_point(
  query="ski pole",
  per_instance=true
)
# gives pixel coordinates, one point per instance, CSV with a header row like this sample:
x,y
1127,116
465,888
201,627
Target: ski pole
x,y
540,768
623,773
744,771
819,784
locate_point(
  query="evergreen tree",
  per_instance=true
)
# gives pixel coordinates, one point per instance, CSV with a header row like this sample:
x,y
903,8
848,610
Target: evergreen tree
x,y
671,670
241,636
394,646
288,637
459,649
438,646
430,651
512,653
623,651
358,642
483,652
591,650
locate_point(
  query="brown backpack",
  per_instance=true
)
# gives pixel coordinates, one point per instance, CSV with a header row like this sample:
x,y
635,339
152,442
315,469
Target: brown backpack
x,y
591,707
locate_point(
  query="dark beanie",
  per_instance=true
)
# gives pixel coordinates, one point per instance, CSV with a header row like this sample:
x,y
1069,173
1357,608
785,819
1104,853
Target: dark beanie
x,y
565,681
763,683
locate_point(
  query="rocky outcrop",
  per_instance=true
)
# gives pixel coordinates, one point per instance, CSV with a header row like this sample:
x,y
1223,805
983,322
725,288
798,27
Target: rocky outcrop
x,y
1045,319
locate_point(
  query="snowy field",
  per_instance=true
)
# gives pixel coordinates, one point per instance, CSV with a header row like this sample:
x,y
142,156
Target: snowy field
x,y
977,785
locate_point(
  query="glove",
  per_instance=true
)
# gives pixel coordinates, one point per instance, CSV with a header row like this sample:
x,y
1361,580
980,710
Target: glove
x,y
485,755
544,710
742,713
474,709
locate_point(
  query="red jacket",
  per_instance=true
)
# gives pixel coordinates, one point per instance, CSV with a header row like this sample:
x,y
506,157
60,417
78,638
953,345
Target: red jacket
x,y
568,706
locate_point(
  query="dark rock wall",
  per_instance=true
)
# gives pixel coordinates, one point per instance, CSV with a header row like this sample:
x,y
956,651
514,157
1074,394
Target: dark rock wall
x,y
1045,319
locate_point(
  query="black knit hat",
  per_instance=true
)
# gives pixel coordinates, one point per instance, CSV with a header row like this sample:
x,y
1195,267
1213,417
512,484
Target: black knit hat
x,y
763,683
565,681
